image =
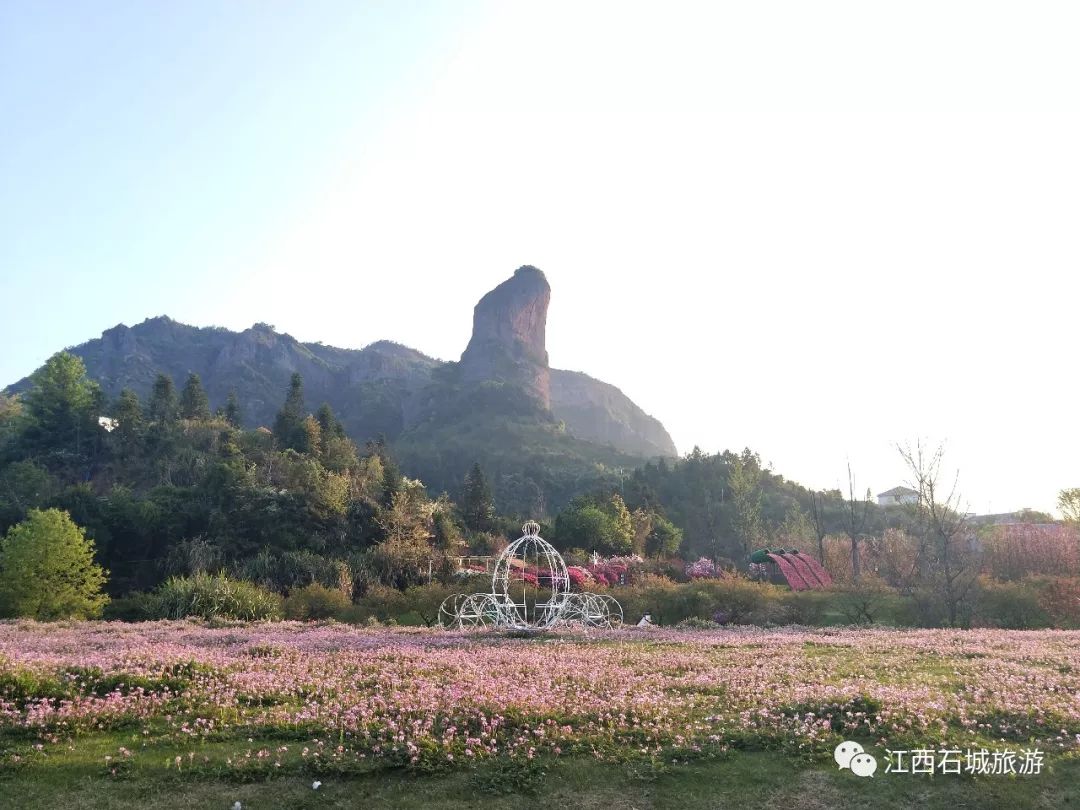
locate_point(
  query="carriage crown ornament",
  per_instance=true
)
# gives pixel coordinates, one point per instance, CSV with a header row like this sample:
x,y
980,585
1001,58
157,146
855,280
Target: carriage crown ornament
x,y
530,592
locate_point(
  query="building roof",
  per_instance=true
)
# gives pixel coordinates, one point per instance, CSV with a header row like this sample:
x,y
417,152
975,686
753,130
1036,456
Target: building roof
x,y
896,492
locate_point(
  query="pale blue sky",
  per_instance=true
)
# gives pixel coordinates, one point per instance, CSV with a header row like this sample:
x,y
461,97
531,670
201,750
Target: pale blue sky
x,y
816,229
144,142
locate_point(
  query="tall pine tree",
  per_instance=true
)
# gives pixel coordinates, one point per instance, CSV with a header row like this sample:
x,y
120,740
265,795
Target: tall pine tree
x,y
128,412
194,404
477,503
163,406
331,427
289,424
232,410
62,405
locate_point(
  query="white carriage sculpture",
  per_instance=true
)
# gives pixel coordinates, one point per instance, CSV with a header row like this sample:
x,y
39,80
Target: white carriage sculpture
x,y
530,591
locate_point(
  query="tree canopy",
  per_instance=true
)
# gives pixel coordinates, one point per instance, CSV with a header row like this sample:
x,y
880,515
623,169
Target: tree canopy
x,y
60,407
47,569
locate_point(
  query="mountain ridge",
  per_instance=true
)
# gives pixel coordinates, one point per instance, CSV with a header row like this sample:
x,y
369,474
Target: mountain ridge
x,y
380,389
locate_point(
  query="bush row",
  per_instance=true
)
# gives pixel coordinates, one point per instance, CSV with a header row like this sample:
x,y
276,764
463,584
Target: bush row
x,y
1034,602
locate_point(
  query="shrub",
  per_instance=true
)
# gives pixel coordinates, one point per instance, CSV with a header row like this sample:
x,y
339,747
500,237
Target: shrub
x,y
650,594
381,602
1060,598
1010,605
801,607
193,556
314,602
424,600
863,602
733,600
295,569
210,596
470,581
137,606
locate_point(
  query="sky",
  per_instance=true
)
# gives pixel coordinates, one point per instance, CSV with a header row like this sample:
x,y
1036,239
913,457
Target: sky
x,y
816,230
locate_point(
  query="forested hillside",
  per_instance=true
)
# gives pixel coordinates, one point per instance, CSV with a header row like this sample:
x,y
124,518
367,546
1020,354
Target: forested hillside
x,y
168,485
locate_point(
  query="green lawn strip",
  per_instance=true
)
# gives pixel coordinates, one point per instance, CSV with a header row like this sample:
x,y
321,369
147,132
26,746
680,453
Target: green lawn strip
x,y
78,779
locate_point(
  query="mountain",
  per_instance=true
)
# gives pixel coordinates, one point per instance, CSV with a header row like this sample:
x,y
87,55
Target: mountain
x,y
366,387
501,403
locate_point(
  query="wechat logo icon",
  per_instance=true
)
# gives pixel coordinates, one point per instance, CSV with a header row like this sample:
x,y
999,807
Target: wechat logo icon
x,y
851,755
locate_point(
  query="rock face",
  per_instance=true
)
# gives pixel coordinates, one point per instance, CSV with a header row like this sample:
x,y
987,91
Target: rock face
x,y
601,413
508,341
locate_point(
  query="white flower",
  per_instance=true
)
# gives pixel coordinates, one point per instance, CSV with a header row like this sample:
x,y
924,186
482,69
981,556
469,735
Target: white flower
x,y
316,785
237,806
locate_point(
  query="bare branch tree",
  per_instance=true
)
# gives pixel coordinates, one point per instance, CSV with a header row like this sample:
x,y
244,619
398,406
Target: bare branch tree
x,y
817,517
946,551
856,515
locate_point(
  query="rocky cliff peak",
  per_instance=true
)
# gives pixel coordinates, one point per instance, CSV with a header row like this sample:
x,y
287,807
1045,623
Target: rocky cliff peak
x,y
508,338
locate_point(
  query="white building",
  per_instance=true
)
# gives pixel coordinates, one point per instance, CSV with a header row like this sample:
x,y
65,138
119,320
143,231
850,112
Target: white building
x,y
897,496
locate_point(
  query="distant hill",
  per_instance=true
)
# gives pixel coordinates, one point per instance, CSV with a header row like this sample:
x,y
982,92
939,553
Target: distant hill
x,y
539,430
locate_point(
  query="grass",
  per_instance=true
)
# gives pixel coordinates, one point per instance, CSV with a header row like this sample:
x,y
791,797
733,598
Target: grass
x,y
74,776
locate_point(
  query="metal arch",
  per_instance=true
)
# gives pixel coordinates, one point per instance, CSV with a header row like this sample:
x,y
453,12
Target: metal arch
x,y
530,556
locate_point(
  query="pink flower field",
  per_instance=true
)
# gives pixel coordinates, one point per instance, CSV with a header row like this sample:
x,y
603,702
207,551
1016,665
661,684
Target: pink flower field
x,y
339,696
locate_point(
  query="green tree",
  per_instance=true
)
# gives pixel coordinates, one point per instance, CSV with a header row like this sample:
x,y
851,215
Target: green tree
x,y
796,531
60,406
392,479
664,539
163,407
232,413
1069,504
643,526
194,404
130,430
339,454
10,413
621,540
586,525
47,569
744,481
403,557
477,502
445,534
289,423
24,485
328,423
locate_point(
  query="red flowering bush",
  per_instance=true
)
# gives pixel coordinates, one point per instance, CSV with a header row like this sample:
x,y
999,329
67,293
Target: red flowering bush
x,y
530,578
608,572
580,578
